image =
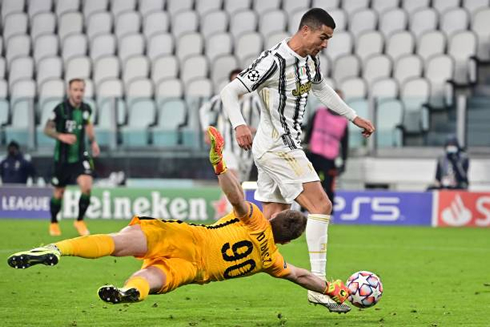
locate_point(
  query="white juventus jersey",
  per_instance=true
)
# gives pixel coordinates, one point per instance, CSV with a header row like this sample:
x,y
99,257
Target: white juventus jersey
x,y
283,80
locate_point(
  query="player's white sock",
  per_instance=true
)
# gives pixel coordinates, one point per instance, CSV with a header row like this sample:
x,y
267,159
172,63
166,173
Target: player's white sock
x,y
317,238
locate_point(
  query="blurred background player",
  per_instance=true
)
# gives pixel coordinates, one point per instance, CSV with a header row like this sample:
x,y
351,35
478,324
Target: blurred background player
x,y
15,169
327,139
69,123
283,76
211,113
241,244
452,166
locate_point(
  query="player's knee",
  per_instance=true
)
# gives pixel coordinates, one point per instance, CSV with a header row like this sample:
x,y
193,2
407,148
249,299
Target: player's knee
x,y
323,207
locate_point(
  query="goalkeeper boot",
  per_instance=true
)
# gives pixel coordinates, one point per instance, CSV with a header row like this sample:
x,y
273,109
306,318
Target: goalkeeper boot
x,y
216,151
112,294
47,255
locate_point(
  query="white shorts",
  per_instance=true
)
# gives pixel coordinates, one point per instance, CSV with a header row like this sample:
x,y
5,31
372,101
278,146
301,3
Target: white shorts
x,y
282,175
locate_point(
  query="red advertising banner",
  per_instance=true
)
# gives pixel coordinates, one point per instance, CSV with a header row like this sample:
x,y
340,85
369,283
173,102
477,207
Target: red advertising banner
x,y
459,208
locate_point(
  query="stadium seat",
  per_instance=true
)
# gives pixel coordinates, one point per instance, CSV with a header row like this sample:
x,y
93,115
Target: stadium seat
x,y
155,23
361,21
189,45
47,68
102,45
135,68
438,70
423,20
194,67
406,67
293,6
325,4
13,24
138,88
369,43
120,6
172,115
42,23
294,21
141,115
342,46
351,6
214,22
411,6
221,68
74,45
70,23
389,117
232,7
11,6
65,6
204,7
89,89
340,18
414,94
248,45
176,6
39,6
199,88
345,67
381,6
20,68
218,44
462,46
46,107
383,89
78,67
128,22
442,6
354,88
272,21
1,45
362,108
164,67
99,23
146,7
242,22
46,45
131,45
480,24
17,46
4,105
261,6
399,44
22,97
454,20
104,68
377,67
475,5
3,68
393,21
91,7
184,22
160,45
109,96
431,43
274,39
168,89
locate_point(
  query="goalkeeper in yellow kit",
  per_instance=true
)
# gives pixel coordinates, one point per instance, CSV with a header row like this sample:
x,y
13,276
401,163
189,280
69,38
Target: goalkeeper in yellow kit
x,y
175,253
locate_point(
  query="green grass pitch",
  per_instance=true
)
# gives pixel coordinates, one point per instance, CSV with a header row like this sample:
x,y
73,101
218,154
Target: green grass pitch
x,y
431,277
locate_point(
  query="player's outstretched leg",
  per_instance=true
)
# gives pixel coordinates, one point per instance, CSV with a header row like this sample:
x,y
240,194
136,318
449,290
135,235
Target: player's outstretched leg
x,y
112,294
46,255
336,292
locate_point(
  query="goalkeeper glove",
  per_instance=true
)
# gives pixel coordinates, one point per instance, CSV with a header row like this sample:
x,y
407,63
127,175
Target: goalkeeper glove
x,y
216,151
337,291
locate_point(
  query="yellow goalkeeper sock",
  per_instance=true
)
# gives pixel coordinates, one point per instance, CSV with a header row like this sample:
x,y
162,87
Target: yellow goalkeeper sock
x,y
140,284
92,246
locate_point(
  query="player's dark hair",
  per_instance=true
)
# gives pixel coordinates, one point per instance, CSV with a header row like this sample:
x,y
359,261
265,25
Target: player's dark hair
x,y
235,71
288,225
315,18
74,80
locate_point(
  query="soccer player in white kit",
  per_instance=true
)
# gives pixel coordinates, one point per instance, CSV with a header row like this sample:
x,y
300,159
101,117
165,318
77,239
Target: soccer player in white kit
x,y
284,76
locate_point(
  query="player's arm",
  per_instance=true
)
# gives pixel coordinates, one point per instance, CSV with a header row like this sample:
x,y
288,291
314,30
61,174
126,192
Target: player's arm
x,y
230,96
50,130
89,130
227,181
336,290
332,100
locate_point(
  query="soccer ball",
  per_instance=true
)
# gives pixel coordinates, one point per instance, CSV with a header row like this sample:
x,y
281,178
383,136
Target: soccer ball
x,y
365,289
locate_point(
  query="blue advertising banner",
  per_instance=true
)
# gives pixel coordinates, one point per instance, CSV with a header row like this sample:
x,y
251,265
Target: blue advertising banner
x,y
378,207
25,202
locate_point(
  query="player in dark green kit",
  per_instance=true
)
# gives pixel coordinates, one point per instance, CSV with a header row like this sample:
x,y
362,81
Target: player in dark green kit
x,y
69,123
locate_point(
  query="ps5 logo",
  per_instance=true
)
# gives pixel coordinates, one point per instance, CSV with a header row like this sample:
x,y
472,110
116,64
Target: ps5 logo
x,y
382,208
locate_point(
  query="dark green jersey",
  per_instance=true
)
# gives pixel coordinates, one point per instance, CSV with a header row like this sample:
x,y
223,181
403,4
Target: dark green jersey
x,y
71,120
